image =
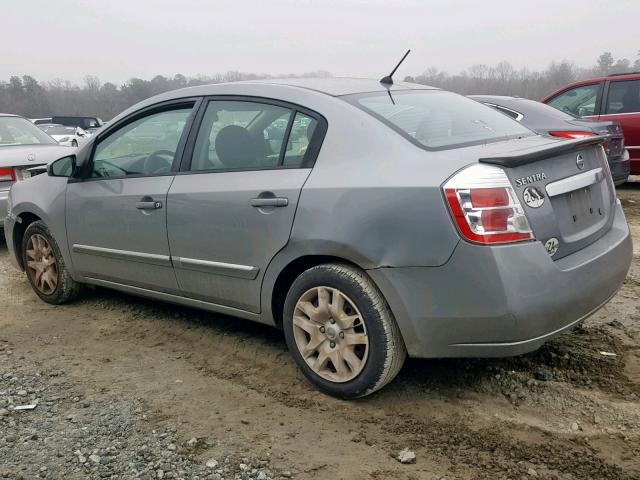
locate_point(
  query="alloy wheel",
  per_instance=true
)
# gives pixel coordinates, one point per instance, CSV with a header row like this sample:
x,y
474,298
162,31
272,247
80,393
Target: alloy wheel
x,y
41,264
330,334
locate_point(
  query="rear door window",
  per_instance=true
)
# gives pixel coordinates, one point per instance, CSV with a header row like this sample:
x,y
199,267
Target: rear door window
x,y
436,119
579,101
241,135
302,131
624,97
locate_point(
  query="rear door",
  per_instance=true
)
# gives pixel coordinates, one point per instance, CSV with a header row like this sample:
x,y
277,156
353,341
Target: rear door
x,y
116,215
231,208
622,103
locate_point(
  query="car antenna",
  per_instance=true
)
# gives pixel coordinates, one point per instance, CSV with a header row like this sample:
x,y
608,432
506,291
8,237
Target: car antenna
x,y
388,80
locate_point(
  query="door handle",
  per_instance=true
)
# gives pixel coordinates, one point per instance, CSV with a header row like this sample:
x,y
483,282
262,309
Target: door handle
x,y
260,202
148,205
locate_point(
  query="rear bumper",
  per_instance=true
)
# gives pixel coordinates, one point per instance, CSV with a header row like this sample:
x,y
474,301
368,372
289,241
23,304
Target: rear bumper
x,y
503,300
620,168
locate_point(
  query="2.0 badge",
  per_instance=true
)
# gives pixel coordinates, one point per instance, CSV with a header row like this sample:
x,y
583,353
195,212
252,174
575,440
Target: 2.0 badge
x,y
533,197
552,246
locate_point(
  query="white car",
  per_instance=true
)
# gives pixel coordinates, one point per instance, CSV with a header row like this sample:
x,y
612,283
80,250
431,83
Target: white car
x,y
68,136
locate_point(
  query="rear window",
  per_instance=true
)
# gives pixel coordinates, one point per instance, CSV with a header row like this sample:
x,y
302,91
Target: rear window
x,y
20,131
60,130
531,107
83,122
436,119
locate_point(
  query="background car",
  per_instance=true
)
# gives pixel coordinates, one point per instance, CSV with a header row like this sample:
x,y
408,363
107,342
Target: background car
x,y
24,151
90,124
68,136
387,219
546,120
614,97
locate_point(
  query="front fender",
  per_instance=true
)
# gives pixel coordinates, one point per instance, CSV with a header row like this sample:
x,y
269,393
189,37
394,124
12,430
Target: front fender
x,y
45,198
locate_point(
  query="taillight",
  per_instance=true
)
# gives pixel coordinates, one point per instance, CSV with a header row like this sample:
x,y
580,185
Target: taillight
x,y
570,134
7,174
485,207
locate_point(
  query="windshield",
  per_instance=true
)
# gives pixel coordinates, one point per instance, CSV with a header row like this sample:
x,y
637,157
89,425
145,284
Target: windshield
x,y
20,131
437,119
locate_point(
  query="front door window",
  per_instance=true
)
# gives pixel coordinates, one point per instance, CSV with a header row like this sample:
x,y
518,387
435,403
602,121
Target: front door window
x,y
146,146
579,101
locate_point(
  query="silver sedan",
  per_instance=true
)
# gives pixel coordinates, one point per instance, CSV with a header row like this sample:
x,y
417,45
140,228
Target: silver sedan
x,y
24,152
367,220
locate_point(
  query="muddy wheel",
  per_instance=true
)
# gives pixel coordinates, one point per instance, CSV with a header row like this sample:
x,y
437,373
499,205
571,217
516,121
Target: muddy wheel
x,y
45,267
341,331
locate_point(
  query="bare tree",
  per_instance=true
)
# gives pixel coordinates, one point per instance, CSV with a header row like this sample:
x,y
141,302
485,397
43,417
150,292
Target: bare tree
x,y
605,62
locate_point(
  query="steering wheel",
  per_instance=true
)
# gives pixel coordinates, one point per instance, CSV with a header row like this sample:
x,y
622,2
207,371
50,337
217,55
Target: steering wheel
x,y
99,173
158,162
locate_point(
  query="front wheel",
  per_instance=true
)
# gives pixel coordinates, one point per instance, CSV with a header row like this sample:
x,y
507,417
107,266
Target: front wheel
x,y
45,267
341,331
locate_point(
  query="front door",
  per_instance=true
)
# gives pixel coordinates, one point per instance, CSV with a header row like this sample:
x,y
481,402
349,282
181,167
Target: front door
x,y
116,217
231,210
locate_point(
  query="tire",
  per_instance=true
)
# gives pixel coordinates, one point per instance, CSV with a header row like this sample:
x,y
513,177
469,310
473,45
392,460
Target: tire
x,y
36,240
364,326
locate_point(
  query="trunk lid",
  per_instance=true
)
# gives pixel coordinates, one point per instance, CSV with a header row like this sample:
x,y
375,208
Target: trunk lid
x,y
566,190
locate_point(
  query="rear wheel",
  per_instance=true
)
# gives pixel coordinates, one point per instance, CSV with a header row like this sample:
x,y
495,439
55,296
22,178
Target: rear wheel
x,y
341,331
45,267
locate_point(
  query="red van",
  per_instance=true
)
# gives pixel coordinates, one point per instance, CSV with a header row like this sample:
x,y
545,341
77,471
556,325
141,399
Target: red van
x,y
614,97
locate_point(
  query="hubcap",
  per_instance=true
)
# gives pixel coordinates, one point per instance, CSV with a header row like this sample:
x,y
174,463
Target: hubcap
x,y
330,334
41,264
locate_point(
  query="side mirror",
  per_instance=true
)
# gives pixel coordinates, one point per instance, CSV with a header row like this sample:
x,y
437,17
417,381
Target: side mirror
x,y
63,167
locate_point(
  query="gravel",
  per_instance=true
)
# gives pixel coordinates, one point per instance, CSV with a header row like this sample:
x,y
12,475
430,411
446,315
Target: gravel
x,y
70,436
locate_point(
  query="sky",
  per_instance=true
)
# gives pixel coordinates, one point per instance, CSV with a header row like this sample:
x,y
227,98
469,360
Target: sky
x,y
119,39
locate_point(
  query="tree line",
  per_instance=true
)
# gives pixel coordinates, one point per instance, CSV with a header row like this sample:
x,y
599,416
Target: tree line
x,y
24,95
504,79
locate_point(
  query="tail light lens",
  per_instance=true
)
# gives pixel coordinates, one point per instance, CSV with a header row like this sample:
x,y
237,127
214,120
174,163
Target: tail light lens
x,y
485,207
7,175
569,134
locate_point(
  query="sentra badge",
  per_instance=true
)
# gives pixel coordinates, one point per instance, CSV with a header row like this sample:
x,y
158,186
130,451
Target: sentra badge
x,y
536,177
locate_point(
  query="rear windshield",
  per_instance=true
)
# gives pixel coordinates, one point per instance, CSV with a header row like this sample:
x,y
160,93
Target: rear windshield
x,y
531,107
20,131
60,130
436,119
84,122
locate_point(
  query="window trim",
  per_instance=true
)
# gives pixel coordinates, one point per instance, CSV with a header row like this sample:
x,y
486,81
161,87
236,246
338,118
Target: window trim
x,y
599,96
175,104
311,155
519,116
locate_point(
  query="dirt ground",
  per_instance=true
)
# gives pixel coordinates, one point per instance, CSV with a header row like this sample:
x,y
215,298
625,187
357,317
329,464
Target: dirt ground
x,y
565,411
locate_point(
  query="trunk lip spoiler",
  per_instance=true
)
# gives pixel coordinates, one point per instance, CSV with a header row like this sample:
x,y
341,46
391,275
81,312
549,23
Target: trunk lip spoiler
x,y
540,153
